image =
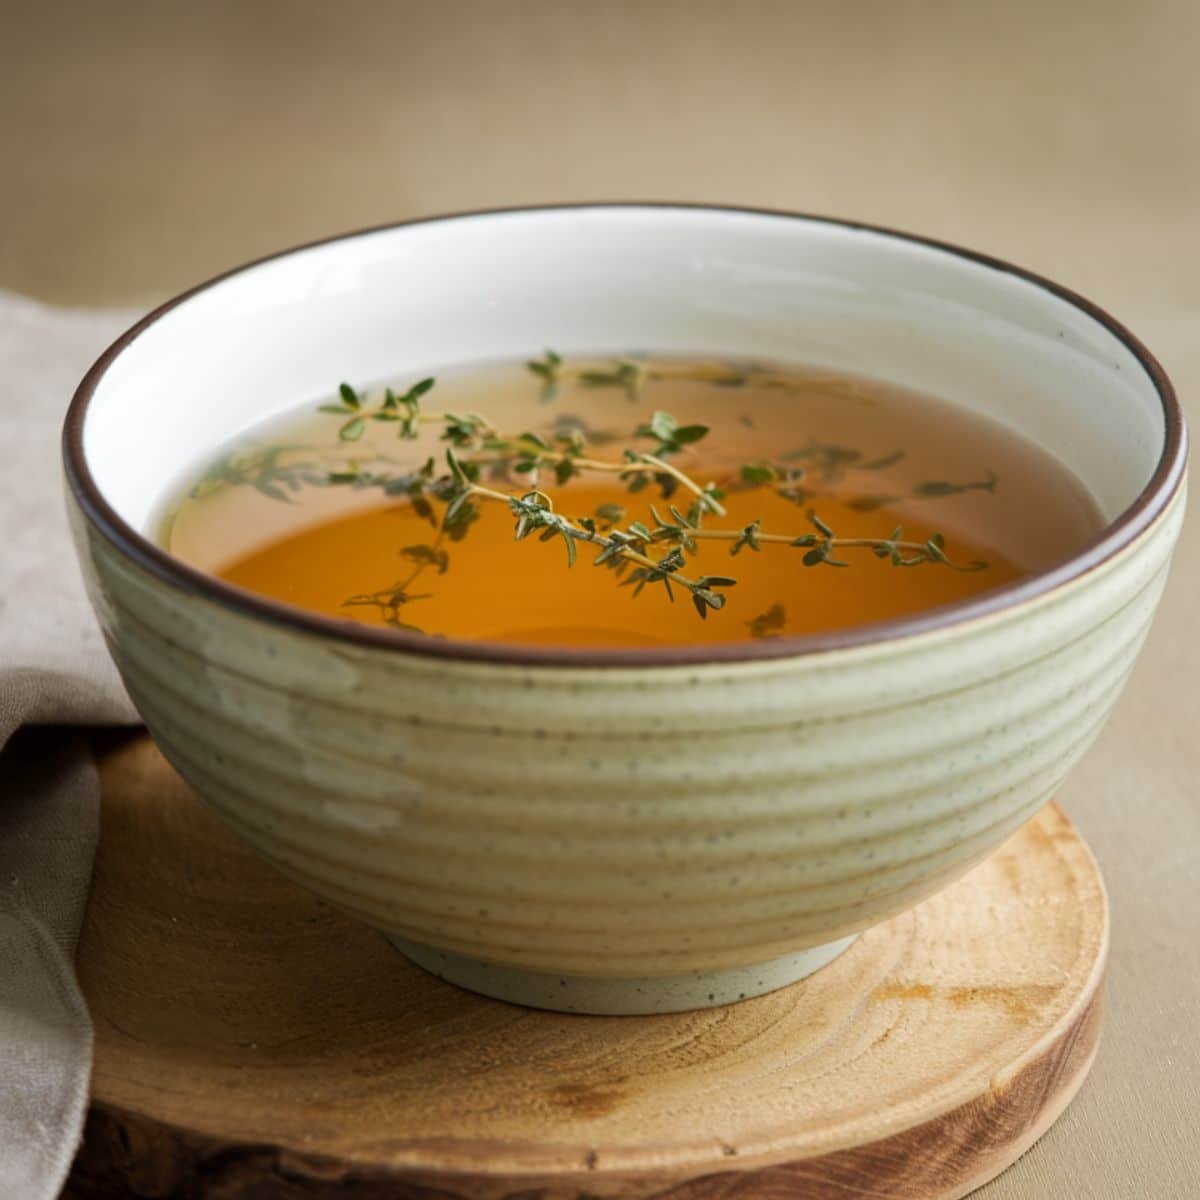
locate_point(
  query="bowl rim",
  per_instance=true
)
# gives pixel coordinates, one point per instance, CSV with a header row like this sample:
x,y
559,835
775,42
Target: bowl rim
x,y
1133,521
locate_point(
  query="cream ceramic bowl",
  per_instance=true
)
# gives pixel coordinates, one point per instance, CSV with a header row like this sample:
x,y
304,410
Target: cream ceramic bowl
x,y
646,830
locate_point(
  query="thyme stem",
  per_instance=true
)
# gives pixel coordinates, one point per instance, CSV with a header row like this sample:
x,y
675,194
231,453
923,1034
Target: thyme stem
x,y
784,539
707,501
577,533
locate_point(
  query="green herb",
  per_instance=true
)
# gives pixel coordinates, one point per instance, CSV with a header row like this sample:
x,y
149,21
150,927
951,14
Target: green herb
x,y
626,375
547,369
825,459
748,538
608,515
670,435
791,486
432,556
534,512
464,430
768,624
870,503
404,410
938,488
264,469
831,461
756,474
389,602
644,553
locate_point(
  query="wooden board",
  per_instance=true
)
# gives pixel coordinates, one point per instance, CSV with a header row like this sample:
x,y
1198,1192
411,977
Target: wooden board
x,y
251,1042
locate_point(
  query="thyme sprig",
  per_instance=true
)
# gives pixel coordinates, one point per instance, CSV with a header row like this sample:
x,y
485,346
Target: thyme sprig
x,y
389,602
631,373
262,468
819,546
640,552
624,374
404,410
528,453
534,512
936,488
630,550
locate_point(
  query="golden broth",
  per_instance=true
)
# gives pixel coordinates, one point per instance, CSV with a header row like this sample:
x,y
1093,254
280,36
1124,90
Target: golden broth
x,y
298,515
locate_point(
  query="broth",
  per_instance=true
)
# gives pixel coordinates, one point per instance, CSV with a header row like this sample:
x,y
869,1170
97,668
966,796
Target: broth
x,y
328,511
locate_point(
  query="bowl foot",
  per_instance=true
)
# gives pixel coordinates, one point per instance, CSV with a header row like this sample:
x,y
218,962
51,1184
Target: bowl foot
x,y
621,997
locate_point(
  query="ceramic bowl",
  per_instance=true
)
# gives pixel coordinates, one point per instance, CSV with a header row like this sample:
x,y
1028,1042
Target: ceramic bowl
x,y
645,830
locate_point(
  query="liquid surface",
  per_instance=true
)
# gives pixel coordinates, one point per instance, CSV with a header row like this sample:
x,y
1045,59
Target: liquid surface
x,y
296,514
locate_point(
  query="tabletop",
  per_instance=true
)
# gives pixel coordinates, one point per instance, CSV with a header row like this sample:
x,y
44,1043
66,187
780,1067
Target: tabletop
x,y
146,147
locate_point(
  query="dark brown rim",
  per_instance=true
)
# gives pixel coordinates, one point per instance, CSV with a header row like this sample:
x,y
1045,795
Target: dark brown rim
x,y
1152,501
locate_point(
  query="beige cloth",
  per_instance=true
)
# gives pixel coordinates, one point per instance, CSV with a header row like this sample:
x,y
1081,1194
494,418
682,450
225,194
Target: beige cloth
x,y
54,670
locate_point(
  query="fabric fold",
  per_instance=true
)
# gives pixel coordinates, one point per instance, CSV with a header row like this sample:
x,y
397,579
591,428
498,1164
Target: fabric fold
x,y
54,673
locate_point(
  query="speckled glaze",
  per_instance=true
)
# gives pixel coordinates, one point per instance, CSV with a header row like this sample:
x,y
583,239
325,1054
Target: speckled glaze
x,y
624,824
625,838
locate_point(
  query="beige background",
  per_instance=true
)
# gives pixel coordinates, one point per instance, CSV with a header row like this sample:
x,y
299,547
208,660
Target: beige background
x,y
144,147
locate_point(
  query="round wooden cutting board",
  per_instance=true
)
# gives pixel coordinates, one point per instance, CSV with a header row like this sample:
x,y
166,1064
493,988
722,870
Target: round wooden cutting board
x,y
251,1042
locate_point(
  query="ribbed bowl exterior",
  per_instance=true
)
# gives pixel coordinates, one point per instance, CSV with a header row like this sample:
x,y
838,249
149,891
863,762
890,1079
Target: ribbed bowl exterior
x,y
619,822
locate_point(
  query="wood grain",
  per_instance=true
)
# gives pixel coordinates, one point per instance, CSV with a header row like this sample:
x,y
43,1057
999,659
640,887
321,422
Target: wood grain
x,y
252,1042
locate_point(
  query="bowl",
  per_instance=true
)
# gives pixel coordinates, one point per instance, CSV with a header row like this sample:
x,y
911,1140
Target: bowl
x,y
638,830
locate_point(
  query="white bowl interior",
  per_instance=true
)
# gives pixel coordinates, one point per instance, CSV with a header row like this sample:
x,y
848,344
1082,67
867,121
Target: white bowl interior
x,y
401,300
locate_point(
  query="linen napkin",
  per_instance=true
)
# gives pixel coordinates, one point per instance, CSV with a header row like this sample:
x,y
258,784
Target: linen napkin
x,y
54,672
